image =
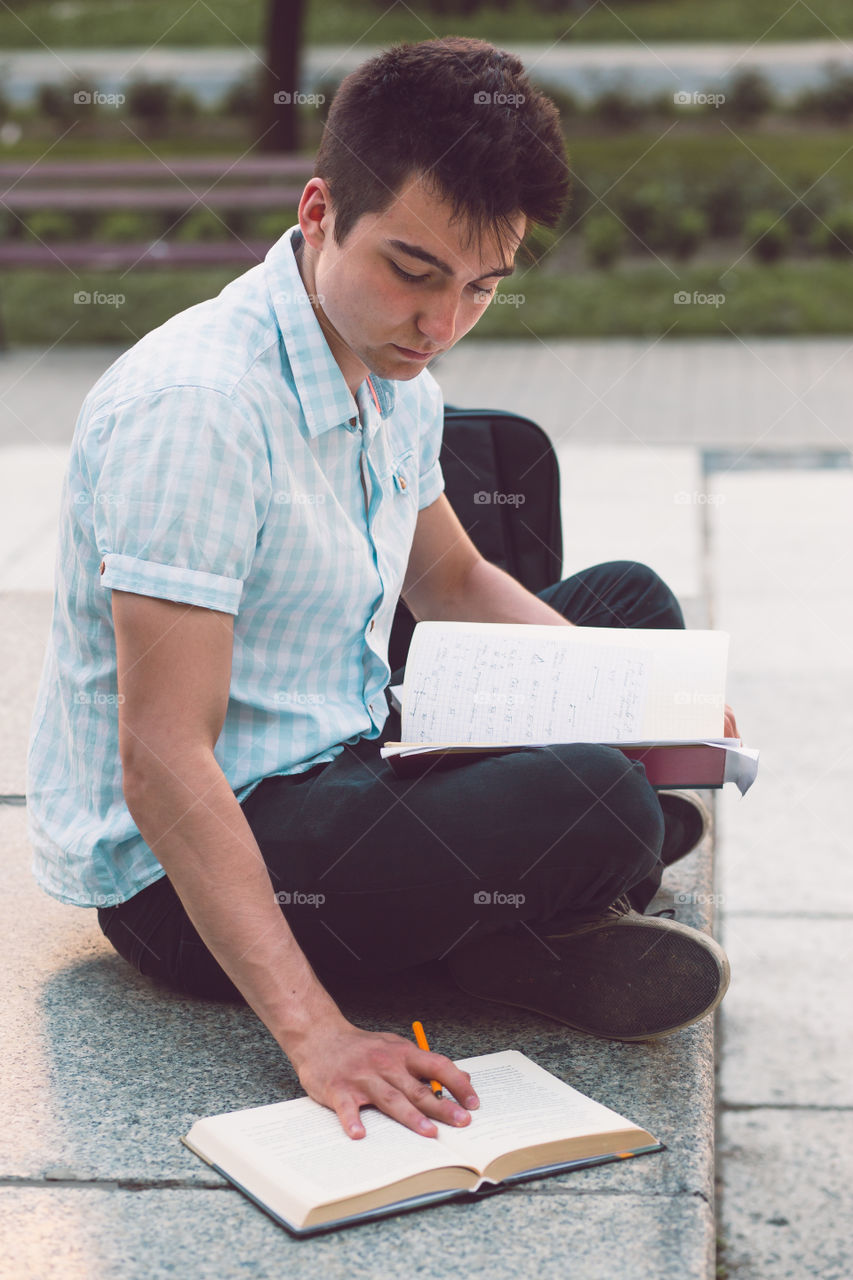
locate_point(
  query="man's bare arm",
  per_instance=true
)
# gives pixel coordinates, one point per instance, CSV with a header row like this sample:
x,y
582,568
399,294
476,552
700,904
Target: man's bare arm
x,y
447,580
174,663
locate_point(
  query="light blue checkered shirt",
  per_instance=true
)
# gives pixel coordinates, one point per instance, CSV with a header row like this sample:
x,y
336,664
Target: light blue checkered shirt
x,y
216,463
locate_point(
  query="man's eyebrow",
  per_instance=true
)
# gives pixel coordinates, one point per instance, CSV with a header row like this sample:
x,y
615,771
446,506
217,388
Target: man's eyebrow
x,y
415,251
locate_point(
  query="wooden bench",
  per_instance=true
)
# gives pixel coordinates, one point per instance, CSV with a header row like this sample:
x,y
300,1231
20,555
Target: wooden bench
x,y
252,184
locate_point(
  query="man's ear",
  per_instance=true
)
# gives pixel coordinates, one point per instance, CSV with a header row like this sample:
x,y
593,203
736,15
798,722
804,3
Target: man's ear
x,y
315,212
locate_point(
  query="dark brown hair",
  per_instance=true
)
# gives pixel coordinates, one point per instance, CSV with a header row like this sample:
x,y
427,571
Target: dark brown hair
x,y
458,111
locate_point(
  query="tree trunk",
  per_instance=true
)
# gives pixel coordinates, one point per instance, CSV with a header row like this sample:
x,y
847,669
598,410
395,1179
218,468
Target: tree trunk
x,y
279,112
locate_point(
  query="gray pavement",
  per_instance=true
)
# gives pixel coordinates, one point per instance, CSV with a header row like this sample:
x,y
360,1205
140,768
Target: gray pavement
x,y
587,70
106,1072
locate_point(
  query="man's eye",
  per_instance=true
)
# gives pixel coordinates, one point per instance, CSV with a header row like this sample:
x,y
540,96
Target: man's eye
x,y
482,292
405,274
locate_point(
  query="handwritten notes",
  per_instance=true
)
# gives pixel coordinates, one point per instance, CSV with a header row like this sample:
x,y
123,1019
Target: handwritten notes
x,y
527,685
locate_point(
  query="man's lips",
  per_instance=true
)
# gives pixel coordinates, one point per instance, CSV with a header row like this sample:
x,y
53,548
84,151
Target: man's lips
x,y
419,355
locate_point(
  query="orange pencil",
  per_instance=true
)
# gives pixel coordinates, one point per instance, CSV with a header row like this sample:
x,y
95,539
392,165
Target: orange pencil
x,y
420,1036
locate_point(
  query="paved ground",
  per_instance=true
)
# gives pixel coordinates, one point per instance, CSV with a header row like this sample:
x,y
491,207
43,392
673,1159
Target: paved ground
x,y
585,69
93,1180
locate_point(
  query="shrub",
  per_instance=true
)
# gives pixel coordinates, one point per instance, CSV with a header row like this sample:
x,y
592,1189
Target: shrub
x,y
201,224
649,212
834,235
749,95
50,224
156,101
126,227
689,229
243,98
618,109
604,239
768,235
832,100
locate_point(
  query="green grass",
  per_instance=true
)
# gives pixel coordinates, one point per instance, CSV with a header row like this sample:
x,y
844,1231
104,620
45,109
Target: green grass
x,y
797,297
106,23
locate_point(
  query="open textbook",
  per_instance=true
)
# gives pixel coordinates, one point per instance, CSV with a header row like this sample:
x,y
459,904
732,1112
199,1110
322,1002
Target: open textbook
x,y
294,1160
657,695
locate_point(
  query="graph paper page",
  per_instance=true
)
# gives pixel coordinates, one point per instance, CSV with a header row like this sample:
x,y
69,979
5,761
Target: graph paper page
x,y
514,683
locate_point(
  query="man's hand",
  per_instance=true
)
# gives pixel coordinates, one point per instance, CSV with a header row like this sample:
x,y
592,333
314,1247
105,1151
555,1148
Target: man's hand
x,y
731,729
345,1068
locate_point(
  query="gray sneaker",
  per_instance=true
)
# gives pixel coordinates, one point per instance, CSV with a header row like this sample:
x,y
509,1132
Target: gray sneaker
x,y
619,975
687,820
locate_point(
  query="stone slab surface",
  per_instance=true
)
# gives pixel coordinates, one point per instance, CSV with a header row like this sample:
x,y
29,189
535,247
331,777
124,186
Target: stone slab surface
x,y
24,626
545,1228
105,1070
788,1034
787,1209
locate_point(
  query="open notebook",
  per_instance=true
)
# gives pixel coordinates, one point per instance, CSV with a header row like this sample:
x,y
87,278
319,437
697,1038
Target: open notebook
x,y
659,695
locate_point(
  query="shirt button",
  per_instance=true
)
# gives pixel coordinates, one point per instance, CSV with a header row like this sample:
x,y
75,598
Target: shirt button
x,y
372,624
103,565
402,482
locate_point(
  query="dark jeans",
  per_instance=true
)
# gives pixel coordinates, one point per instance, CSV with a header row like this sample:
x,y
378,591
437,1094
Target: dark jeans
x,y
376,873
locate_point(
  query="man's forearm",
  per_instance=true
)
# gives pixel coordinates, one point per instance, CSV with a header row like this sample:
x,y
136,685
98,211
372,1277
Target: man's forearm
x,y
194,825
490,595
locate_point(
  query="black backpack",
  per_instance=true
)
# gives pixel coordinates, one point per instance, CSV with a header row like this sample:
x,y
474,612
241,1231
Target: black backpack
x,y
502,480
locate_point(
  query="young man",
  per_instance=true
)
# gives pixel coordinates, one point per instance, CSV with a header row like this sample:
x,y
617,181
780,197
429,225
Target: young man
x,y
251,488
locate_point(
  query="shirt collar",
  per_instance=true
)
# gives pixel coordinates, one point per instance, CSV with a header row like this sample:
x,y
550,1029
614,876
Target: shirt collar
x,y
323,393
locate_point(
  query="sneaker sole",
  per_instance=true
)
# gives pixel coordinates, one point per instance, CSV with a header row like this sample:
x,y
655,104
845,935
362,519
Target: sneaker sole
x,y
638,979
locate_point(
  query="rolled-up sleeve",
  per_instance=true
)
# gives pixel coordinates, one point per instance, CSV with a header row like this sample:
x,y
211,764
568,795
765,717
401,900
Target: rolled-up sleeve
x,y
431,477
180,497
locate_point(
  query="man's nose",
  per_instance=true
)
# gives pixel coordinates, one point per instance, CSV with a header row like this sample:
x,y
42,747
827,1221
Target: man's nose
x,y
438,321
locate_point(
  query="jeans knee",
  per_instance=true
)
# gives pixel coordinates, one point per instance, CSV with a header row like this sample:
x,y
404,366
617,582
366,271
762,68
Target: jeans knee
x,y
656,601
629,819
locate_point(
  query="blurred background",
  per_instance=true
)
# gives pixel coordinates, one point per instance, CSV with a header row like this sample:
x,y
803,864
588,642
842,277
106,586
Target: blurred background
x,y
709,147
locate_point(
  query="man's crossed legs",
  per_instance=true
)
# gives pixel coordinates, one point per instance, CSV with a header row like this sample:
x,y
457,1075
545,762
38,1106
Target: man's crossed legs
x,y
526,873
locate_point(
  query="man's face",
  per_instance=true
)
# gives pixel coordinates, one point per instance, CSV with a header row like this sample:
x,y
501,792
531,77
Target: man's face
x,y
379,316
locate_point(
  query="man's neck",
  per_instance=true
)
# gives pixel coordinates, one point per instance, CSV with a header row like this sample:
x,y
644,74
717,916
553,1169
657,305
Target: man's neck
x,y
350,366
